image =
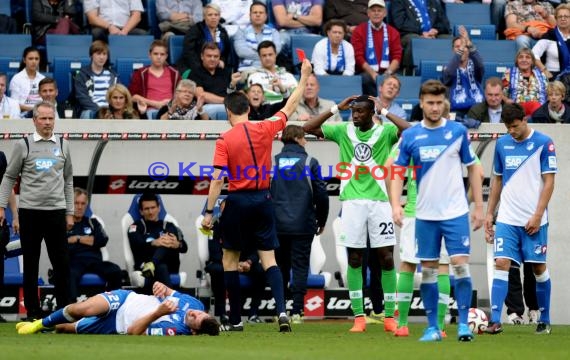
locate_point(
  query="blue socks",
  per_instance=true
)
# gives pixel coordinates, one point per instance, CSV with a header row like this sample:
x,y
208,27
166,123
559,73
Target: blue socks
x,y
430,295
543,288
60,316
498,294
275,281
463,290
231,280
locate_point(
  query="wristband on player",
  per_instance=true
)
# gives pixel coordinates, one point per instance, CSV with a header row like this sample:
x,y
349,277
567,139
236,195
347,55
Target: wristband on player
x,y
334,109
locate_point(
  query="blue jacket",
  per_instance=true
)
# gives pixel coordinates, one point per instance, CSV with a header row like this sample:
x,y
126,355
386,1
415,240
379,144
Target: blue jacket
x,y
299,192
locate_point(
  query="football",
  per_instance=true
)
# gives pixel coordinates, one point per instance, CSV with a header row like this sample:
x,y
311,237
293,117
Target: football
x,y
477,320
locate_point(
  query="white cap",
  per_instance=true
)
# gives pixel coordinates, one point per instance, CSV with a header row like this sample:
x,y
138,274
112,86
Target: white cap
x,y
371,3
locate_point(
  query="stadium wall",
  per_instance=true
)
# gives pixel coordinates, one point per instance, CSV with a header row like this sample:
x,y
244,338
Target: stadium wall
x,y
124,164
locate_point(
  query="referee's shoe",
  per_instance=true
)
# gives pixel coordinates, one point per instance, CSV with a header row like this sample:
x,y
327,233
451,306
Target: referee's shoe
x,y
284,323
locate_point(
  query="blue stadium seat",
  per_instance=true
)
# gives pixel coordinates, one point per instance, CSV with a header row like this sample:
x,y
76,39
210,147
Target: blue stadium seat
x,y
407,105
63,70
468,14
133,46
126,66
67,46
5,8
432,69
503,51
175,44
410,87
483,32
151,18
13,46
305,42
430,49
497,69
132,215
338,87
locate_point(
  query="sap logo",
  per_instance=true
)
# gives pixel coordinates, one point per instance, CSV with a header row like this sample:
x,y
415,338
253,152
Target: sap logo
x,y
288,162
431,153
153,184
508,147
314,303
44,164
419,137
513,162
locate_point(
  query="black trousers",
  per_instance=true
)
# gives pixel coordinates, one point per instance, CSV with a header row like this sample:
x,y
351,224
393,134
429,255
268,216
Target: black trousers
x,y
294,253
48,225
107,270
514,299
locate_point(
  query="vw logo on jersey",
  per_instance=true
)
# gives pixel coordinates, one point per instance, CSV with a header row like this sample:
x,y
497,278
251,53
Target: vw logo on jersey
x,y
56,151
362,152
448,135
530,146
87,230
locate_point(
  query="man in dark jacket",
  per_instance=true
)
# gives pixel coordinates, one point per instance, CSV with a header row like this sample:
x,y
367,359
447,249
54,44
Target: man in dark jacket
x,y
53,17
85,241
489,111
301,210
415,19
156,244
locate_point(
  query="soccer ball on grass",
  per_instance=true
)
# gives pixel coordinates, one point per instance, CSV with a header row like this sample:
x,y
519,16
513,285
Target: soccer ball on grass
x,y
477,320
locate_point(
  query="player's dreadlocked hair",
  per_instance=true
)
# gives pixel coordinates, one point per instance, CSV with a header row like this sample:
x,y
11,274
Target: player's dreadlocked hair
x,y
210,326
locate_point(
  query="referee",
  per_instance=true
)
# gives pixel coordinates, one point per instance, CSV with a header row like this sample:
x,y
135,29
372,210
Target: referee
x,y
243,154
43,162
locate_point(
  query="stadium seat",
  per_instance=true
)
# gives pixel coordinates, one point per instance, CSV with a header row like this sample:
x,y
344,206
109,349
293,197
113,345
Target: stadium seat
x,y
495,69
132,215
410,87
502,51
430,49
175,44
5,8
13,46
134,47
483,32
151,17
338,87
63,70
126,66
304,42
471,13
341,254
89,279
67,46
432,69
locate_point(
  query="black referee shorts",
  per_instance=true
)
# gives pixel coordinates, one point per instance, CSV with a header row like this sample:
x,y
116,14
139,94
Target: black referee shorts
x,y
248,221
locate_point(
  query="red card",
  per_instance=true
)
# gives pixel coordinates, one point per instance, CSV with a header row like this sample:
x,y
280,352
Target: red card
x,y
301,54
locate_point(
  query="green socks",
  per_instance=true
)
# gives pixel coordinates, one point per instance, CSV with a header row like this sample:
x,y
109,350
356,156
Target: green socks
x,y
354,278
405,290
389,287
443,302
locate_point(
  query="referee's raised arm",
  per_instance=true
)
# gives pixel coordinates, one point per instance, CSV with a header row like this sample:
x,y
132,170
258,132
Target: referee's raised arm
x,y
291,104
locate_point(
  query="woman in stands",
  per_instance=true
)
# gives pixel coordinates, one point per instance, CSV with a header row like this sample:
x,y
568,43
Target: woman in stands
x,y
24,86
524,83
555,110
334,55
557,55
53,17
120,104
185,105
208,30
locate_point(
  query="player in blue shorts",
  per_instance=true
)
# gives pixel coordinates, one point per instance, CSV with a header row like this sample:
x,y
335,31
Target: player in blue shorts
x,y
165,313
439,147
524,168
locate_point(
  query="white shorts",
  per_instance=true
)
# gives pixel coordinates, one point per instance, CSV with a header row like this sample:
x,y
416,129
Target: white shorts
x,y
409,246
366,218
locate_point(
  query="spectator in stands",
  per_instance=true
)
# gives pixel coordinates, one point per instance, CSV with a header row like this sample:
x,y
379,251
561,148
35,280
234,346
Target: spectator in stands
x,y
425,19
258,108
352,12
248,38
301,206
554,45
93,80
248,265
333,55
9,108
489,111
296,17
113,17
156,243
120,104
213,81
377,47
48,92
24,86
185,105
524,83
527,21
53,17
463,74
555,110
154,85
176,17
85,240
311,105
276,81
388,91
234,13
208,30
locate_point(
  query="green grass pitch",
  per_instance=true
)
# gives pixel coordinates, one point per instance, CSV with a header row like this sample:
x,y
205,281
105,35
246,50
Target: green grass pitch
x,y
312,340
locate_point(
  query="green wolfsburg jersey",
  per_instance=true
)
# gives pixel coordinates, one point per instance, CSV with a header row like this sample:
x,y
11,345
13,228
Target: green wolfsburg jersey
x,y
362,148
